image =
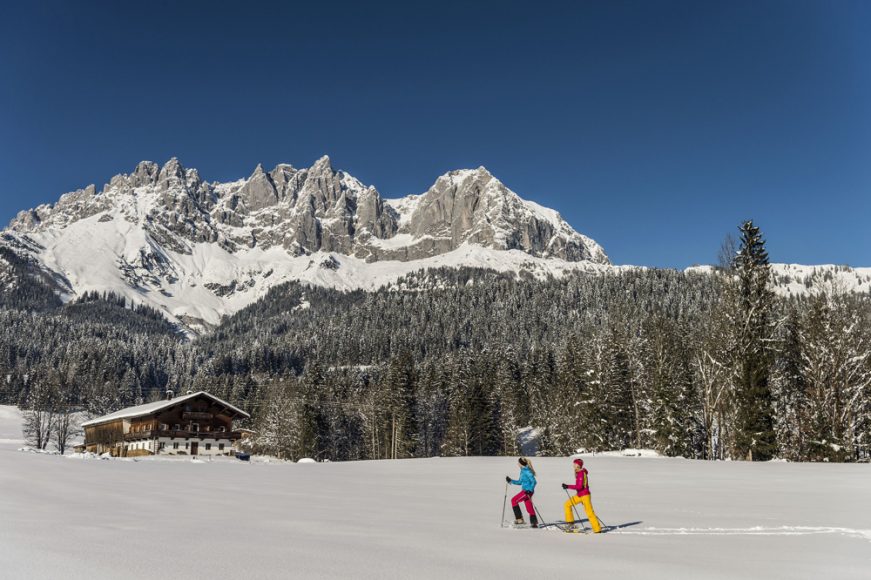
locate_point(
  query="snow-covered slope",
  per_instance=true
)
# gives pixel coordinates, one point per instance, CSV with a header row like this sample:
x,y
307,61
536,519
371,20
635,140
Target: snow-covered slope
x,y
62,517
198,250
799,280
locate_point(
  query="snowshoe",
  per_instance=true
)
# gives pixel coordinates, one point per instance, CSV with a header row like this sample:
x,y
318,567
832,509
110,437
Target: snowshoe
x,y
573,529
518,515
523,526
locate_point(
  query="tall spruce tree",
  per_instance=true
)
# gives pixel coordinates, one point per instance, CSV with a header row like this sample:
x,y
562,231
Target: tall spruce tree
x,y
755,437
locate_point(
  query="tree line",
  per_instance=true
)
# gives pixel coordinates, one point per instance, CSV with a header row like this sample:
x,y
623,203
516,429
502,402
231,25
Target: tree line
x,y
458,361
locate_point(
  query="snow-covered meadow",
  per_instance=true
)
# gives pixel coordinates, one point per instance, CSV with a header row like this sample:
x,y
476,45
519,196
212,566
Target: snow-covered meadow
x,y
64,517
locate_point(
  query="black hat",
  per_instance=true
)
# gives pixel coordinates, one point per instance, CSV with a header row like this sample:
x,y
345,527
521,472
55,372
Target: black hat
x,y
523,461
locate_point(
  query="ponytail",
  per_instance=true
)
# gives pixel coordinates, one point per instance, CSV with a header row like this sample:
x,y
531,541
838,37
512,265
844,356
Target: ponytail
x,y
527,463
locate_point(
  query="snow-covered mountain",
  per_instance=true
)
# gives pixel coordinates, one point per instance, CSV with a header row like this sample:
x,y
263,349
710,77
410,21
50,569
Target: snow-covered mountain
x,y
199,250
799,279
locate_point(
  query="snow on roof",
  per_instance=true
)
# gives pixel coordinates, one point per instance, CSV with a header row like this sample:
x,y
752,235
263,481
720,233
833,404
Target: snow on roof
x,y
148,408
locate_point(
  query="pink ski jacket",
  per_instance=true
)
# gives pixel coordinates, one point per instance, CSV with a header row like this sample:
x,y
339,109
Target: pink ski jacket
x,y
582,483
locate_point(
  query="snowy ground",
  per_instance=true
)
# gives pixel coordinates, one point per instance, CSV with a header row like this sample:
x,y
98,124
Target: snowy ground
x,y
10,426
436,518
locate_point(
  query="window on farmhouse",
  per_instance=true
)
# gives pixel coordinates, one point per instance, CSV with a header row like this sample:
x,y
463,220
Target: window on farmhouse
x,y
176,427
220,446
195,427
208,446
175,445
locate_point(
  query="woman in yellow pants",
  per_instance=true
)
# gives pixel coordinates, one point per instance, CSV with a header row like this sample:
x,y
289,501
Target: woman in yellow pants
x,y
582,485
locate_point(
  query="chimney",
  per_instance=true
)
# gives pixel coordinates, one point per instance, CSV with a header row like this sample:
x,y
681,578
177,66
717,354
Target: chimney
x,y
169,394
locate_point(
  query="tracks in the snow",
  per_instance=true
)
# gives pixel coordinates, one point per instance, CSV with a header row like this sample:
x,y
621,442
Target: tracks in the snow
x,y
752,531
749,531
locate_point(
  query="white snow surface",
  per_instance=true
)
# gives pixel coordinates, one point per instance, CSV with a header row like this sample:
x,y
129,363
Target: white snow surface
x,y
404,206
10,426
424,519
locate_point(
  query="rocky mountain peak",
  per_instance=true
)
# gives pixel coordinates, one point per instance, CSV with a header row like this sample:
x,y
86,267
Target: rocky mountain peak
x,y
321,166
473,206
174,176
172,168
259,190
146,173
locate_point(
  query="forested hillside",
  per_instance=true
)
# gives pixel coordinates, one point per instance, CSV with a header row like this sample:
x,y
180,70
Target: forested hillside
x,y
456,361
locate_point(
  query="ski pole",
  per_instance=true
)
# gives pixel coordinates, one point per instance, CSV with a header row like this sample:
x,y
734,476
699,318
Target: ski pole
x,y
504,501
577,516
535,509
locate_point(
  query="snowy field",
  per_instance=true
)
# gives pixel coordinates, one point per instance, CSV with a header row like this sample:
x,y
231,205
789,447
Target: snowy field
x,y
62,517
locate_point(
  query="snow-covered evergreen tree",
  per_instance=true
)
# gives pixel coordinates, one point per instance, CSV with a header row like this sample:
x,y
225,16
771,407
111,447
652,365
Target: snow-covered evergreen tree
x,y
754,326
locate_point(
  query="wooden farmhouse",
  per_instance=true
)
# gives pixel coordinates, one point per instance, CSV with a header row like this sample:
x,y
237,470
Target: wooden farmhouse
x,y
193,424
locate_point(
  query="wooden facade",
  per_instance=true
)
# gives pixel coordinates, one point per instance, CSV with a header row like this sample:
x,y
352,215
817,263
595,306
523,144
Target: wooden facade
x,y
194,424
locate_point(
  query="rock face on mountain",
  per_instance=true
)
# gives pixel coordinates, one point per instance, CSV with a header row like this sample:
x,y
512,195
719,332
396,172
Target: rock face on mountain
x,y
319,209
198,249
473,206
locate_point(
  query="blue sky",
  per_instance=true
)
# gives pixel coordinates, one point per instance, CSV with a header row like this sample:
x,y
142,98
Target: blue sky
x,y
652,126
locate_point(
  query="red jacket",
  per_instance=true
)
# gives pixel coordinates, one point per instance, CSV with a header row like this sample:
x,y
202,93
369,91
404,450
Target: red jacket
x,y
582,483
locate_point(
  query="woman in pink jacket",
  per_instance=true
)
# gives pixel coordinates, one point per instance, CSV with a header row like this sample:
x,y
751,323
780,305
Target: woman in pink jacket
x,y
582,486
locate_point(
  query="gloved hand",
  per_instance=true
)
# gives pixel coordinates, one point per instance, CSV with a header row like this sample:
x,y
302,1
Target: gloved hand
x,y
565,486
507,479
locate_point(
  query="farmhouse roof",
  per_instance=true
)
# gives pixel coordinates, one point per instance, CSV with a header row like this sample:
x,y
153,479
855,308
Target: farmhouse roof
x,y
149,408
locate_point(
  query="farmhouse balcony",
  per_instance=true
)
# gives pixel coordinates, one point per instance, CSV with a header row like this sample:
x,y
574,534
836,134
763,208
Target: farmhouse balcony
x,y
155,433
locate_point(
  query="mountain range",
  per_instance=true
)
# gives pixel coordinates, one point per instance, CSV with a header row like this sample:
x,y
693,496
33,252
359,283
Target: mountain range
x,y
199,250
